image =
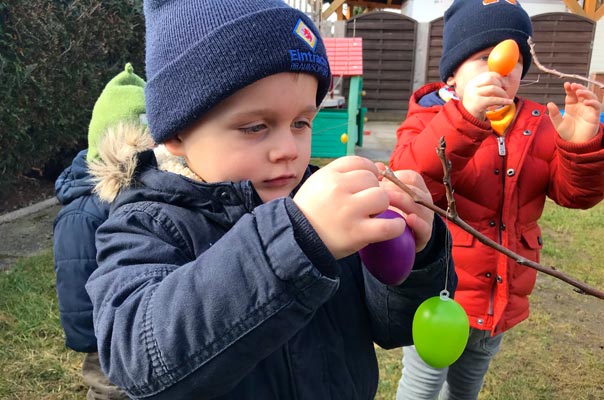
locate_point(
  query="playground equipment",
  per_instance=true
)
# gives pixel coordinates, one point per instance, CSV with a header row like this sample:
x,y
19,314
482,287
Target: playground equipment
x,y
338,127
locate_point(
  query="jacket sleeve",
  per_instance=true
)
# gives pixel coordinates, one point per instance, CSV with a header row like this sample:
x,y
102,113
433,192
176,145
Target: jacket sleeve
x,y
392,307
577,172
419,136
162,315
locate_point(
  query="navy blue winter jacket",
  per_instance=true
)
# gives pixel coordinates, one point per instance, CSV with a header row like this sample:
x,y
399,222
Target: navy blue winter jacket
x,y
75,251
202,292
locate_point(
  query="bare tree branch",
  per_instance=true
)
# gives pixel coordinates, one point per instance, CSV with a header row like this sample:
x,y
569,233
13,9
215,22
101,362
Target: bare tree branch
x,y
558,73
451,215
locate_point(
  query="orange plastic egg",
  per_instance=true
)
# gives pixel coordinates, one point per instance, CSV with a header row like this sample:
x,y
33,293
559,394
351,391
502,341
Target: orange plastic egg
x,y
504,57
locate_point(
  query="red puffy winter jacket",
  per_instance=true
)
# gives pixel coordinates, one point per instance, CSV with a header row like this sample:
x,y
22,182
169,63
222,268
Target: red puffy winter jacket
x,y
500,186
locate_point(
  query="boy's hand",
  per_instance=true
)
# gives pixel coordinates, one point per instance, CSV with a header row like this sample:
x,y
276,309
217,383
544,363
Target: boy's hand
x,y
340,200
482,92
581,114
418,217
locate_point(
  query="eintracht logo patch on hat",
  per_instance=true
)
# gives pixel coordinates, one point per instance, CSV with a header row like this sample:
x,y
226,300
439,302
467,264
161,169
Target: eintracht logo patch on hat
x,y
487,2
305,34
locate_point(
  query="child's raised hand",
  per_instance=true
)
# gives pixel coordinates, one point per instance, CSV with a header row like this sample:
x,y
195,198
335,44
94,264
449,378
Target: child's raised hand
x,y
418,217
340,200
482,92
581,114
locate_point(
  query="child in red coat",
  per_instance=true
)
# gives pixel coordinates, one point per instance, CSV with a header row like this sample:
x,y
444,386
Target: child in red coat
x,y
502,170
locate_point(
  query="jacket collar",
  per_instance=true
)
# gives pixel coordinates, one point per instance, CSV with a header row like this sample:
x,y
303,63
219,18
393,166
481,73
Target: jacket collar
x,y
136,169
74,181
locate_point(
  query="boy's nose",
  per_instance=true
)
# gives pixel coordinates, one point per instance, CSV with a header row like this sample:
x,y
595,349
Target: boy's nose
x,y
285,147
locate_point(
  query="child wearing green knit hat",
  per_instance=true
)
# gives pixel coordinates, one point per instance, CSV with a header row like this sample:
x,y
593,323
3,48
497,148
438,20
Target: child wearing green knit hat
x,y
122,101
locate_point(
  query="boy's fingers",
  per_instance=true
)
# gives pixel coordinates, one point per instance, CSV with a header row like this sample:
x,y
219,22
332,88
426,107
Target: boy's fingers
x,y
403,202
373,200
357,180
586,95
574,86
380,229
554,113
351,163
411,178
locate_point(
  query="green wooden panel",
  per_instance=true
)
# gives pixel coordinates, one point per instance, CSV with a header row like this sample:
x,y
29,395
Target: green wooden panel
x,y
331,123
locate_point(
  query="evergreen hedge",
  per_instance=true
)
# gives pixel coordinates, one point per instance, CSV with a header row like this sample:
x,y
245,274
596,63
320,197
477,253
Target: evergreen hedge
x,y
55,58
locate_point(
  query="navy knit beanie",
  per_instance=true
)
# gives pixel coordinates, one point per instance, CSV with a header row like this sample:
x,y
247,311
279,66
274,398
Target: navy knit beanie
x,y
199,52
474,25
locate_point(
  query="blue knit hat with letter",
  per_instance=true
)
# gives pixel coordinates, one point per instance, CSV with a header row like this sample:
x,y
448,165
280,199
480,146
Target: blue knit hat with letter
x,y
199,52
474,25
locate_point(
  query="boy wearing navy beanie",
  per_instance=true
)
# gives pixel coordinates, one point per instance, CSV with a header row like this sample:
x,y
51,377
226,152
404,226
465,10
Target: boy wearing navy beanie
x,y
507,155
471,26
228,267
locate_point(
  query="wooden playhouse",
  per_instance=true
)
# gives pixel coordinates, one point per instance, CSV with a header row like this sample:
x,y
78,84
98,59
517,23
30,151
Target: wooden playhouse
x,y
338,127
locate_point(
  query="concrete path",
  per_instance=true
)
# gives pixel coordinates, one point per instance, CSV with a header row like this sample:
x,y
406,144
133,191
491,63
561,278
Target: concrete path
x,y
379,141
27,231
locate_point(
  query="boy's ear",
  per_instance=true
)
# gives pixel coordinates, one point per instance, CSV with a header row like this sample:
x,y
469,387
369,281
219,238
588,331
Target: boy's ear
x,y
175,146
450,81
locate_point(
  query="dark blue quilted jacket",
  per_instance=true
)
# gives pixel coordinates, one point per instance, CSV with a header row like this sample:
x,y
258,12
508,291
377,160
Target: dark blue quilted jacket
x,y
75,251
204,293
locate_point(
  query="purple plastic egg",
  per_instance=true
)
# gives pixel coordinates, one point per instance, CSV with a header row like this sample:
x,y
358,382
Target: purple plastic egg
x,y
390,261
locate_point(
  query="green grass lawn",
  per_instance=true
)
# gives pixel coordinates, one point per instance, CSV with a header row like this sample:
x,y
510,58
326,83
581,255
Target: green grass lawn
x,y
557,354
33,359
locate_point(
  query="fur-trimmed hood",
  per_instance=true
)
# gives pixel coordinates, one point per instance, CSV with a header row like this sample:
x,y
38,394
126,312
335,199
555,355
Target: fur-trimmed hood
x,y
119,152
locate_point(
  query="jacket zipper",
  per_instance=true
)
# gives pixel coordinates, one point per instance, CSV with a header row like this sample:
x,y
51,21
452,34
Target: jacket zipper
x,y
294,389
502,153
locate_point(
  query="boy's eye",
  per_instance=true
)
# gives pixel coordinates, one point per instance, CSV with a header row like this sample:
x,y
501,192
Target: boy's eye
x,y
253,129
301,124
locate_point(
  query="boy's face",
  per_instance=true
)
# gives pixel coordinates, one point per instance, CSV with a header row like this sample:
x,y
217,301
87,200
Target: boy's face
x,y
260,133
475,65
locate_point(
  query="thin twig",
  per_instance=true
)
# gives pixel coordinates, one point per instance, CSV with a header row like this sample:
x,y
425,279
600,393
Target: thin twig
x,y
451,215
440,150
558,73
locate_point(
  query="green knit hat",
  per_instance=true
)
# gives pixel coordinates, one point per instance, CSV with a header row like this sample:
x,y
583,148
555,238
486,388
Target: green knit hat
x,y
122,100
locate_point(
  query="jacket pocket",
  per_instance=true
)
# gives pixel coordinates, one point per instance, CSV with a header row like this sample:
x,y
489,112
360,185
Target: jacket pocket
x,y
531,237
462,238
532,242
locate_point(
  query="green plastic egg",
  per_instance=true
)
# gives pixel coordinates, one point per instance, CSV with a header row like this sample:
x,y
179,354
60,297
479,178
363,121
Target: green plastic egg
x,y
440,331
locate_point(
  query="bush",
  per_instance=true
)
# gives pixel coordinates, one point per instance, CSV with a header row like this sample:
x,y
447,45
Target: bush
x,y
55,58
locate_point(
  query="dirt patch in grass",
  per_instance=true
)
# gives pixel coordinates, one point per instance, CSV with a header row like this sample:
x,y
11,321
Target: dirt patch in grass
x,y
580,317
558,353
